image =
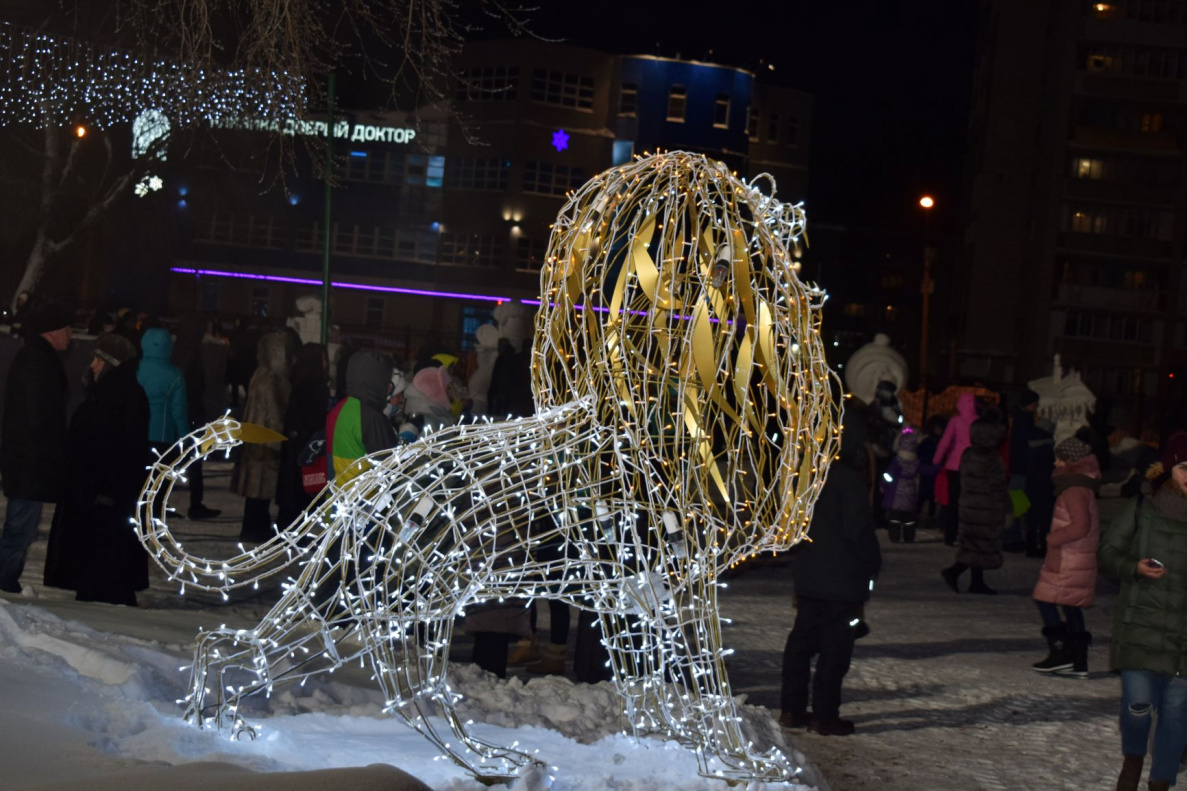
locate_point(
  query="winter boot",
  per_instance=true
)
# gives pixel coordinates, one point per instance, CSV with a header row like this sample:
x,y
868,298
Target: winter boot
x,y
1158,785
831,726
951,577
1131,773
1058,655
551,661
909,532
895,530
1077,651
526,650
794,720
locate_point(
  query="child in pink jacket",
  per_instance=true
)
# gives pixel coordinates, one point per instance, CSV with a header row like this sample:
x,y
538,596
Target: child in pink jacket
x,y
1068,577
948,454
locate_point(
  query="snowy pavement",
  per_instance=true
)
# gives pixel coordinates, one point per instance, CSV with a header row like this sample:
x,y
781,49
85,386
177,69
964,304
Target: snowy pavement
x,y
941,691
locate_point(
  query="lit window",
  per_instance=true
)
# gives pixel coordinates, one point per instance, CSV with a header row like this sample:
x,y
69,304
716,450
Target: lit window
x,y
677,101
1102,63
855,309
1151,122
1085,168
1105,10
721,111
628,100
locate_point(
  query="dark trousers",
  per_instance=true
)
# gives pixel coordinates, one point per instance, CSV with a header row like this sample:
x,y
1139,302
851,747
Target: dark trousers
x,y
1073,617
490,652
20,531
951,512
825,630
257,519
558,619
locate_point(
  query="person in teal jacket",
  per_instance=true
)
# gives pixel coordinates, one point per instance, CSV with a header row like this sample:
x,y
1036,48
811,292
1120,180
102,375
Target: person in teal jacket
x,y
1146,549
165,387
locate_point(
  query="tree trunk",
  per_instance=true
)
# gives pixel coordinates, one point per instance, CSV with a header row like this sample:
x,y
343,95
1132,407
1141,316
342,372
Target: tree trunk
x,y
34,267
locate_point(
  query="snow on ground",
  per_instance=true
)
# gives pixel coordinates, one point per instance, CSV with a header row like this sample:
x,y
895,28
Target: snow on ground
x,y
941,691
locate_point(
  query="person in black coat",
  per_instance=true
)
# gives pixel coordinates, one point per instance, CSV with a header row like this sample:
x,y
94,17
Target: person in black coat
x,y
309,402
187,356
33,448
92,547
1040,489
984,505
833,575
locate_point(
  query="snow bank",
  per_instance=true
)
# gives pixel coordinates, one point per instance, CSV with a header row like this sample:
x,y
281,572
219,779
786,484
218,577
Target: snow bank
x,y
125,691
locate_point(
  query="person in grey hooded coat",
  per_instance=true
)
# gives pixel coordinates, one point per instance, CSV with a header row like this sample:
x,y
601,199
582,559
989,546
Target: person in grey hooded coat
x,y
259,466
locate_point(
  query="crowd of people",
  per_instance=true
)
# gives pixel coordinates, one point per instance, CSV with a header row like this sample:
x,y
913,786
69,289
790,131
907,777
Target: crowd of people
x,y
1002,484
988,482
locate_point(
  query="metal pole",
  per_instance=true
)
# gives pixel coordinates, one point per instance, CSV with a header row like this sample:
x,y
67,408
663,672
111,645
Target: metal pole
x,y
326,226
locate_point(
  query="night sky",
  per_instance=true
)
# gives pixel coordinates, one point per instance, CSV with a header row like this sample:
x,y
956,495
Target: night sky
x,y
892,81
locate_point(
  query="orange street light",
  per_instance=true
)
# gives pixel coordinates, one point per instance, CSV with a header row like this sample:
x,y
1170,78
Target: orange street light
x,y
80,131
926,202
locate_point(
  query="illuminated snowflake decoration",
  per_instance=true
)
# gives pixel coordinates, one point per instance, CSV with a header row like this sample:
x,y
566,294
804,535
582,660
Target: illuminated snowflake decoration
x,y
148,183
560,140
684,422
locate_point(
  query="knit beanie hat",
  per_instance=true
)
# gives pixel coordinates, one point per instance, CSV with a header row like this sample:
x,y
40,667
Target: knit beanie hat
x,y
46,317
1072,449
908,441
114,349
1174,451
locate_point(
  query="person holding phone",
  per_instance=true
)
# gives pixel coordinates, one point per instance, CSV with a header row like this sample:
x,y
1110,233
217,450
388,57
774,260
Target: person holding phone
x,y
1146,549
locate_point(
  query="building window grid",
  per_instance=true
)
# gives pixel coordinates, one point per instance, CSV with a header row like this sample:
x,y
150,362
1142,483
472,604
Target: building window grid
x,y
1133,62
373,317
721,111
488,84
1105,327
562,90
1134,223
546,178
677,103
793,132
529,253
772,128
628,100
479,173
752,124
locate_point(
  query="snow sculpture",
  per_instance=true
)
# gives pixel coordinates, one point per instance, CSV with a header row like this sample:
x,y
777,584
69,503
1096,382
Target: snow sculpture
x,y
873,363
308,324
1064,399
486,351
685,420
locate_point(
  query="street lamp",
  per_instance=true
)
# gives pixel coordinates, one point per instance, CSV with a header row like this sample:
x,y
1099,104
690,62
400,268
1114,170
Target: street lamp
x,y
926,287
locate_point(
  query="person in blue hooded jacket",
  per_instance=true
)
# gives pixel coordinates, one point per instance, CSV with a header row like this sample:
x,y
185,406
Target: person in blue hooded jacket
x,y
164,385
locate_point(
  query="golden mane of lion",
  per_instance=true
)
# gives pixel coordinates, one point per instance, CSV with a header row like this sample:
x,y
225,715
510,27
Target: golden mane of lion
x,y
671,298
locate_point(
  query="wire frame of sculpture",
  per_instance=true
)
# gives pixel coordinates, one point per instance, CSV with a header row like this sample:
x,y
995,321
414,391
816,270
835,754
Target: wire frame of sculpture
x,y
684,421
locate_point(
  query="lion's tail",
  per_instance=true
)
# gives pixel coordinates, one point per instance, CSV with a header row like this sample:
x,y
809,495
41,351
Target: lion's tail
x,y
245,568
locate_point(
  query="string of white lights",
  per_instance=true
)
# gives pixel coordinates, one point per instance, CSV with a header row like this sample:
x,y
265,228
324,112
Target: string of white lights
x,y
61,80
682,428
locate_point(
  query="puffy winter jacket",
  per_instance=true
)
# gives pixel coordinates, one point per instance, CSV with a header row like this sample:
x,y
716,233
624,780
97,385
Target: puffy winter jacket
x,y
1150,622
1068,575
956,434
267,401
357,427
984,501
842,554
168,419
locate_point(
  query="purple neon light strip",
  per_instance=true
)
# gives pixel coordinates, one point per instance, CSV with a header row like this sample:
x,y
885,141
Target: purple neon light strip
x,y
304,281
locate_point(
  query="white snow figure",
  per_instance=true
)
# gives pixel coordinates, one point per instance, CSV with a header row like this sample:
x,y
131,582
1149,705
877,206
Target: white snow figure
x,y
873,363
308,324
487,351
513,321
684,422
1064,399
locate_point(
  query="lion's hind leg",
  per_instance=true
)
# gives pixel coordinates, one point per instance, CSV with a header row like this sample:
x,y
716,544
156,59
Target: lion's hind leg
x,y
411,669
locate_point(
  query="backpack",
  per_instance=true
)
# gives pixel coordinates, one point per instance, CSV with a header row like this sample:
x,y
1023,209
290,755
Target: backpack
x,y
312,461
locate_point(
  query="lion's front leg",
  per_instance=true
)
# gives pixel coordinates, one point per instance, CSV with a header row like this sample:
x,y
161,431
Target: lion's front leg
x,y
669,665
226,666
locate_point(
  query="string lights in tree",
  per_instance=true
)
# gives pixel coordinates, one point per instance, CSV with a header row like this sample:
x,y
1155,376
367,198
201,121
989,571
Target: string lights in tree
x,y
58,80
683,424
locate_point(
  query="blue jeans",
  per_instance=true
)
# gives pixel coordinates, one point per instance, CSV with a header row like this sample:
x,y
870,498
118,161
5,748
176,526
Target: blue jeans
x,y
1142,693
20,530
1073,616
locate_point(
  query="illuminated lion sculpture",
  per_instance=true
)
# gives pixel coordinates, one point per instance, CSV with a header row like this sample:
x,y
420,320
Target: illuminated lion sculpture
x,y
685,421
